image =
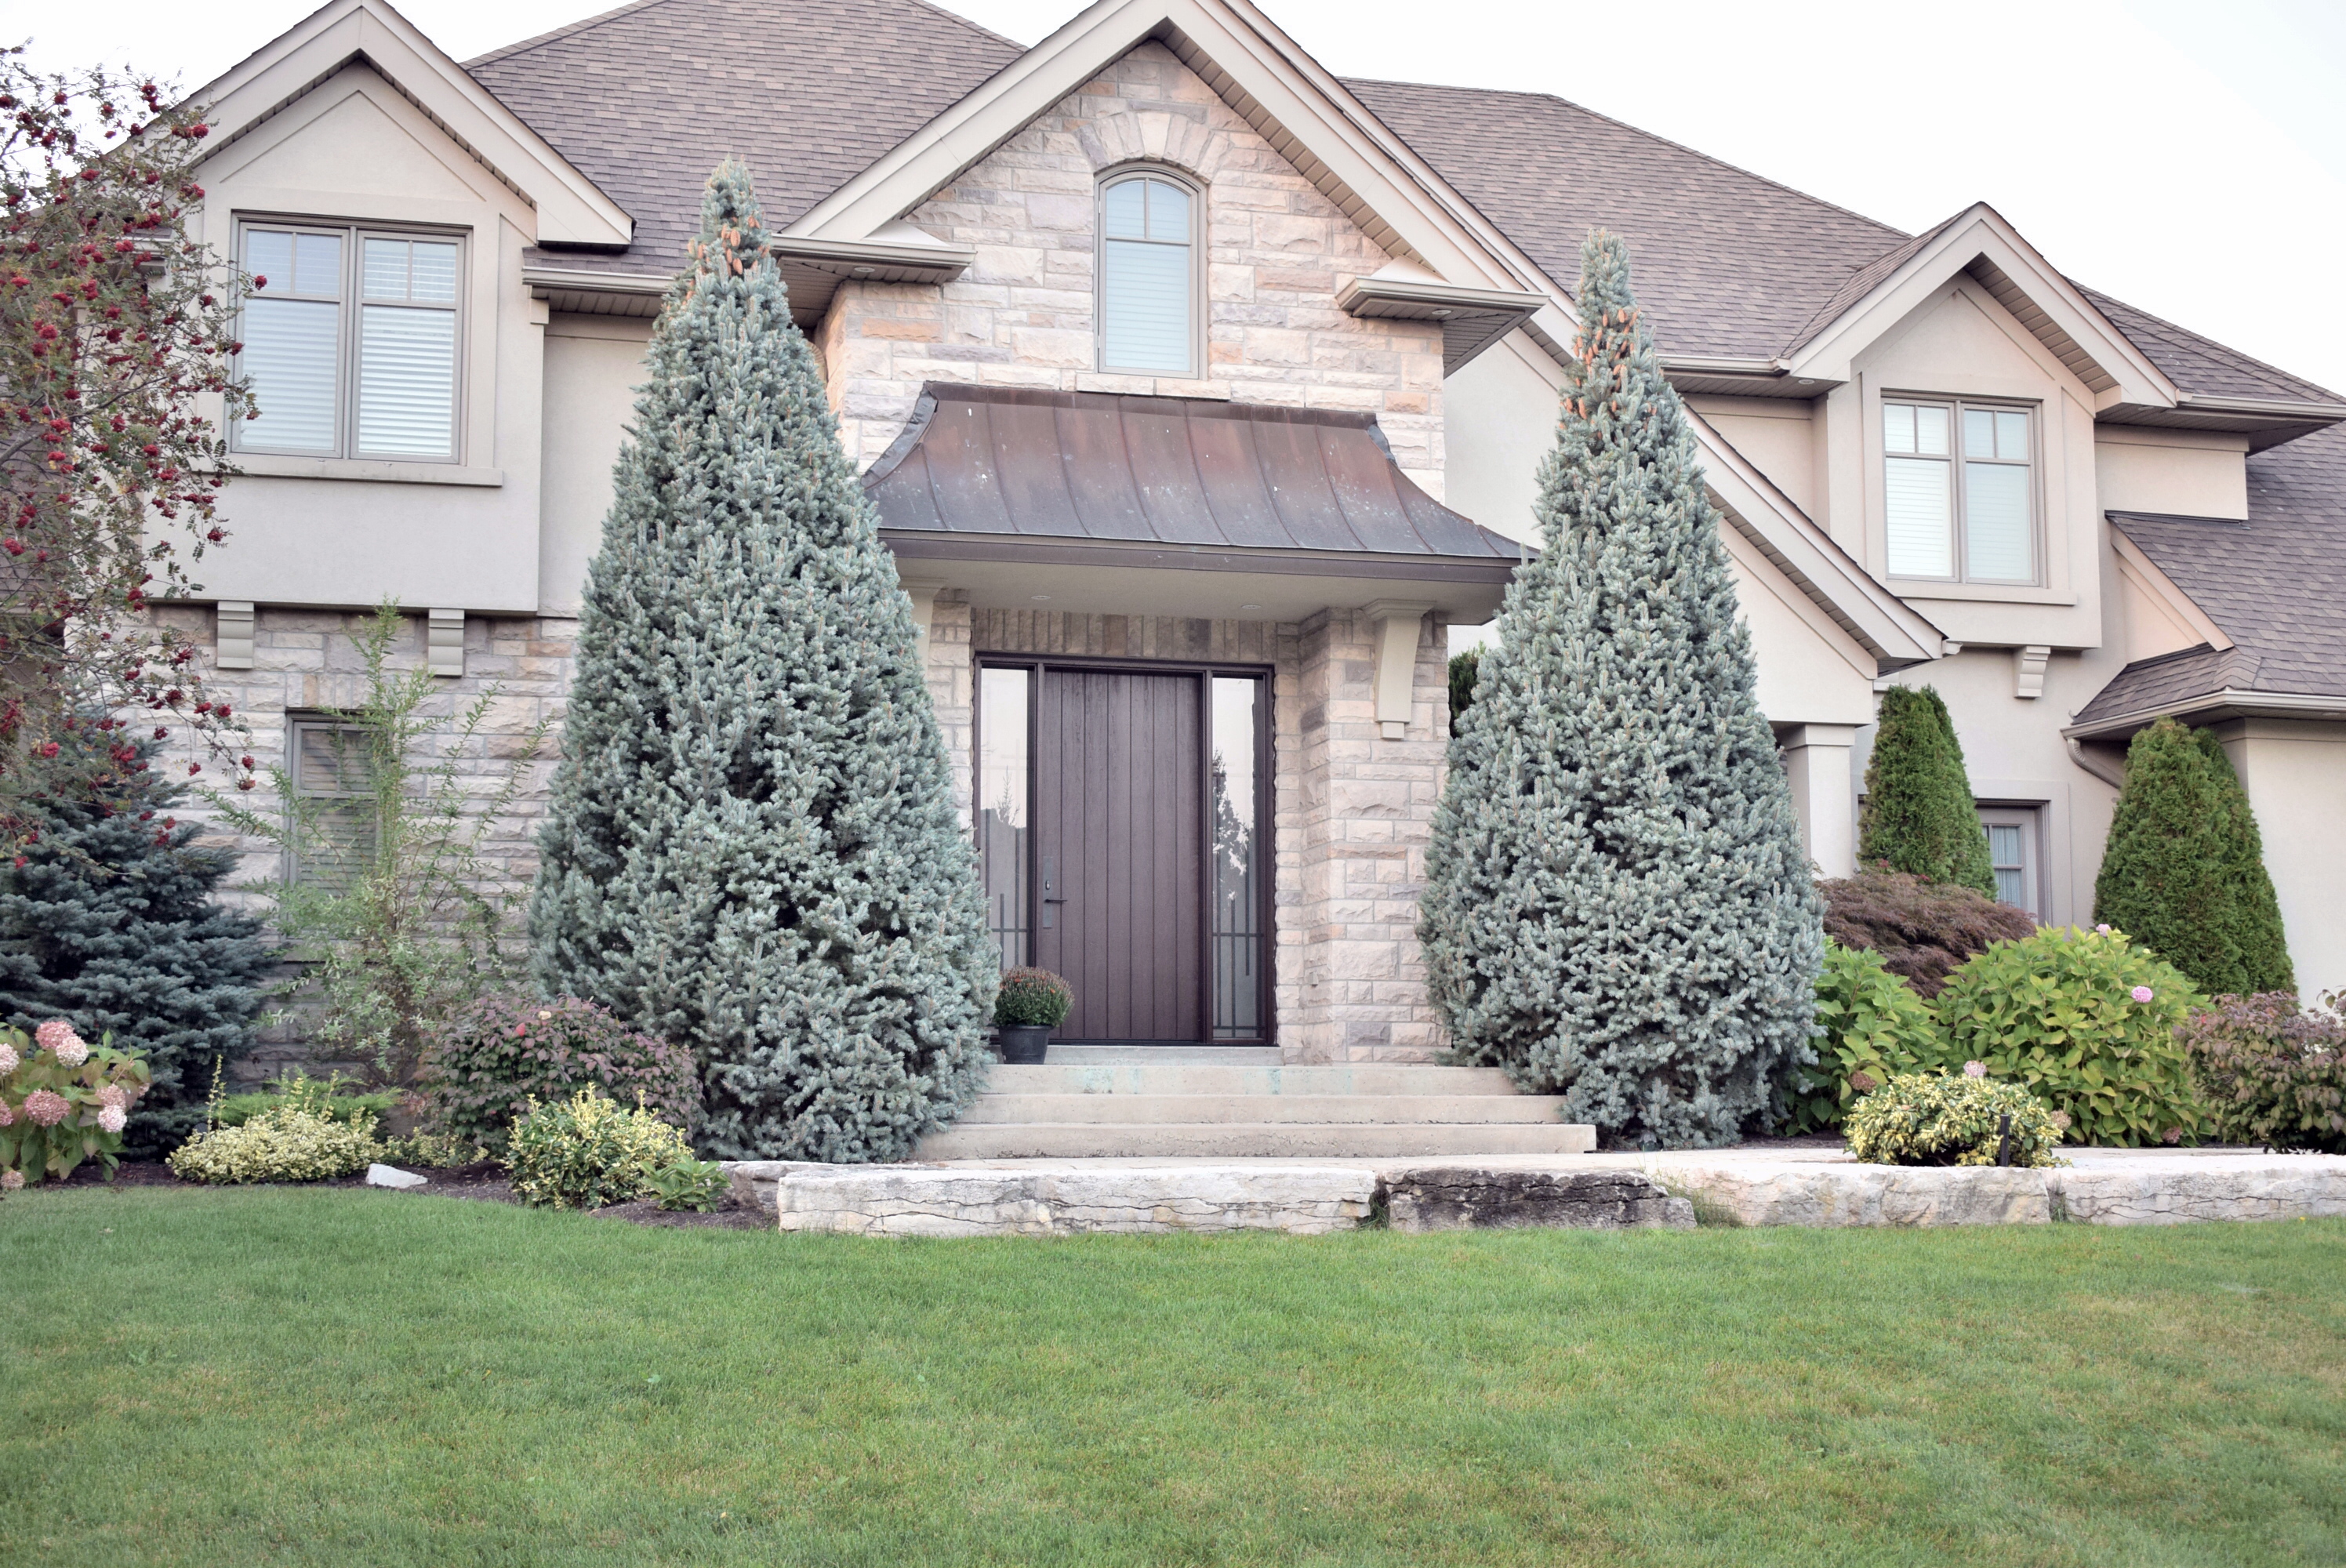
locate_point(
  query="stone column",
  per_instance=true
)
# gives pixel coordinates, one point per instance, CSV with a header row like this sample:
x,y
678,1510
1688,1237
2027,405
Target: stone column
x,y
1817,760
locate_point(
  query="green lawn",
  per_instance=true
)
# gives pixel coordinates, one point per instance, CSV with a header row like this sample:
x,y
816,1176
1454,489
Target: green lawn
x,y
361,1379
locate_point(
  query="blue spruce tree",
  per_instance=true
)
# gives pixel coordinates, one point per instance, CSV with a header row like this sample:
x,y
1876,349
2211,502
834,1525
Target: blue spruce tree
x,y
1618,909
752,847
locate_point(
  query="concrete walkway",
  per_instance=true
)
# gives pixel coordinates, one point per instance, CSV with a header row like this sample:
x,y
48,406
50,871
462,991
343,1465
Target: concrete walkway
x,y
1752,1185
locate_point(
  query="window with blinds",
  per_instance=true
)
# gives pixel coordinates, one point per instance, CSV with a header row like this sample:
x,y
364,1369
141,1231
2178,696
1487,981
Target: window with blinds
x,y
1147,276
2012,849
1968,515
351,342
335,827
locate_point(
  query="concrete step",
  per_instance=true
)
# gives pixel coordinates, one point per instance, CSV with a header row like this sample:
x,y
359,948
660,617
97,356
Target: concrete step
x,y
995,1110
1353,1078
1163,1055
1294,1140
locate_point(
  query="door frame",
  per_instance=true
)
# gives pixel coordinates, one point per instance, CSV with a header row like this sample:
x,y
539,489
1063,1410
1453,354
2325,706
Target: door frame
x,y
1266,733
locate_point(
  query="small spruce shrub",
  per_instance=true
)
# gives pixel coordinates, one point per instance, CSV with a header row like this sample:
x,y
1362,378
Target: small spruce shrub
x,y
2085,1021
589,1151
1032,997
62,1101
482,1069
1464,670
1952,1119
1923,930
1871,1028
2270,1074
298,1139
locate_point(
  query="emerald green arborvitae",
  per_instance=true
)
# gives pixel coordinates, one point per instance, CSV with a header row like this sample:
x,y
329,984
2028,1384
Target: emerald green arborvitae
x,y
2183,871
1618,909
1919,816
112,923
2258,936
752,847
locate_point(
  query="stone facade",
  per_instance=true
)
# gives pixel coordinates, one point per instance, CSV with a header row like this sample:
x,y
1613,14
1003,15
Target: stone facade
x,y
1277,253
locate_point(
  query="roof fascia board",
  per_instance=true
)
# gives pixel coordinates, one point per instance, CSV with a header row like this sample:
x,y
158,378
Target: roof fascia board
x,y
1368,173
2135,563
1981,234
571,210
2230,699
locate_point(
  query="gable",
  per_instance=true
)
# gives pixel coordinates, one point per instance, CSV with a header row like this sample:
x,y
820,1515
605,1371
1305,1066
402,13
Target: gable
x,y
349,138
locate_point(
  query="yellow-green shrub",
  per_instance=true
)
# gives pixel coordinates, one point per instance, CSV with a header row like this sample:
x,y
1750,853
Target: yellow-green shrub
x,y
1950,1119
1871,1027
589,1150
2085,1021
300,1138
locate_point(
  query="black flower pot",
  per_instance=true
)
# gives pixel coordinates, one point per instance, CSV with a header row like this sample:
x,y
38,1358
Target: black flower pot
x,y
1023,1042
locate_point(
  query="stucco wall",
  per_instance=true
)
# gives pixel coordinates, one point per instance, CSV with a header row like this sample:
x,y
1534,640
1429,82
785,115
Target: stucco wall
x,y
2295,774
593,365
1025,315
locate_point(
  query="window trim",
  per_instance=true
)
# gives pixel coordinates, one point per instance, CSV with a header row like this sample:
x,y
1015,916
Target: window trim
x,y
1121,175
297,725
350,305
2028,816
1959,544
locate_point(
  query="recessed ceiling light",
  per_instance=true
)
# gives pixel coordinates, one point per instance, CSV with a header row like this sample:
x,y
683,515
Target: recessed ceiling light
x,y
863,271
1040,598
1249,606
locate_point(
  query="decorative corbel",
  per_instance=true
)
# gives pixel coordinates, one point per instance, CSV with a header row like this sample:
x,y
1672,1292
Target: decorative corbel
x,y
2028,671
232,649
1398,623
443,643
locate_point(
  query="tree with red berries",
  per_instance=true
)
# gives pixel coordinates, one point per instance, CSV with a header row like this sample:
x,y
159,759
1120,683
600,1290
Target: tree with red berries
x,y
116,324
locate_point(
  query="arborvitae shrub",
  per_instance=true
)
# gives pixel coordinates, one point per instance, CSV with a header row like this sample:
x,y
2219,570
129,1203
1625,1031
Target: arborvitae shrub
x,y
112,923
481,1070
2183,870
1923,930
1463,666
1618,908
752,849
1918,815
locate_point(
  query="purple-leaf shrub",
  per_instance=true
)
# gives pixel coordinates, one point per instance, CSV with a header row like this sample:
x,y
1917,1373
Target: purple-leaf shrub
x,y
479,1072
2270,1074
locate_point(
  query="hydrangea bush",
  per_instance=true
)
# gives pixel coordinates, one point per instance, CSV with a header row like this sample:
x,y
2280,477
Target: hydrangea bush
x,y
481,1072
589,1151
299,1139
1953,1119
2085,1021
1871,1027
62,1101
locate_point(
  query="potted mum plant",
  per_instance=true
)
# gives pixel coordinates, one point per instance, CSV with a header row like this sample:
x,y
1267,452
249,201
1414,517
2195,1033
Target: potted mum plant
x,y
1030,1004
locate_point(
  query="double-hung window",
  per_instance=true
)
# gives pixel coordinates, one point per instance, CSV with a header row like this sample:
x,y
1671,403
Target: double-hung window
x,y
1960,491
1148,276
351,342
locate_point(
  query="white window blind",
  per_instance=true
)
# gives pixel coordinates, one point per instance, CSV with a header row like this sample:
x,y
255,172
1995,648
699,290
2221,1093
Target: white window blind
x,y
1982,530
1147,272
351,343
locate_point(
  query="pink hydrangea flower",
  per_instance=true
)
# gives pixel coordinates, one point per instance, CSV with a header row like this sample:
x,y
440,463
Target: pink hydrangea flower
x,y
113,1094
57,1036
2102,929
47,1108
112,1118
1974,1069
7,1116
8,1058
2143,994
12,1180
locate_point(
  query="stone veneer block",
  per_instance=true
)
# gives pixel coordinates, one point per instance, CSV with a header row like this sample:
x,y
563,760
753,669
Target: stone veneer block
x,y
1518,1199
1067,1200
2184,1188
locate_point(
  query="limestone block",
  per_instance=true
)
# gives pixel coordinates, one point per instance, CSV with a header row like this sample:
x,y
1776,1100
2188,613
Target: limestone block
x,y
2169,1191
1846,1192
1506,1199
933,1200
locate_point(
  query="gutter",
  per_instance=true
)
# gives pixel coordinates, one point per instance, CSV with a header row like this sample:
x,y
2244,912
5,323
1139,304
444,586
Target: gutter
x,y
2245,704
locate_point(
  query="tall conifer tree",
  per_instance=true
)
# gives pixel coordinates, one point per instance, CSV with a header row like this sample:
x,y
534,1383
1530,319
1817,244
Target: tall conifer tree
x,y
1919,816
752,847
1618,908
2257,933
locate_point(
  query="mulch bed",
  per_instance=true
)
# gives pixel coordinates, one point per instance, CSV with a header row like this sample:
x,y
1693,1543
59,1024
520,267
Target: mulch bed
x,y
484,1180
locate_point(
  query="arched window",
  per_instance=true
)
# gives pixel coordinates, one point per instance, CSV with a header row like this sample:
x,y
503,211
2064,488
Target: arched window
x,y
1148,275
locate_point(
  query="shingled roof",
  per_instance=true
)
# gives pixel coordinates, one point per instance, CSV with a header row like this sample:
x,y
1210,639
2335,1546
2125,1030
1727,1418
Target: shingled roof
x,y
646,99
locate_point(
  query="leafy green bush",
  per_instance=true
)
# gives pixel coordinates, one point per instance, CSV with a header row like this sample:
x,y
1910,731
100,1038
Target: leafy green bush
x,y
2087,1021
330,1099
589,1151
1871,1027
62,1101
1952,1119
2270,1074
298,1139
696,1185
1923,930
1032,997
482,1070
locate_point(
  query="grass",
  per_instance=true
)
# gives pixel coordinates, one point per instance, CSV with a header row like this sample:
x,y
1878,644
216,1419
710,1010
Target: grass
x,y
354,1378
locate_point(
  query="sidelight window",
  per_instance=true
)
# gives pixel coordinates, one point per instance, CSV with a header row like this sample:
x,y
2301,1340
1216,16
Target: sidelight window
x,y
1005,796
351,342
1148,276
1959,490
1235,846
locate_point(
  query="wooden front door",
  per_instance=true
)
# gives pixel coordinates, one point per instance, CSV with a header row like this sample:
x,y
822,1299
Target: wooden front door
x,y
1118,812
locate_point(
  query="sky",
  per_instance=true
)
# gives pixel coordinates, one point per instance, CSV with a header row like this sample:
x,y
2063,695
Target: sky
x,y
2187,158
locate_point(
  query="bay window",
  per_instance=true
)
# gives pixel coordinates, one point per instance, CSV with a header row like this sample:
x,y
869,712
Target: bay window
x,y
351,342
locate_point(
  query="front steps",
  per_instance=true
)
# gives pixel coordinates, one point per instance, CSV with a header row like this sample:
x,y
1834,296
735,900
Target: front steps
x,y
1219,1102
